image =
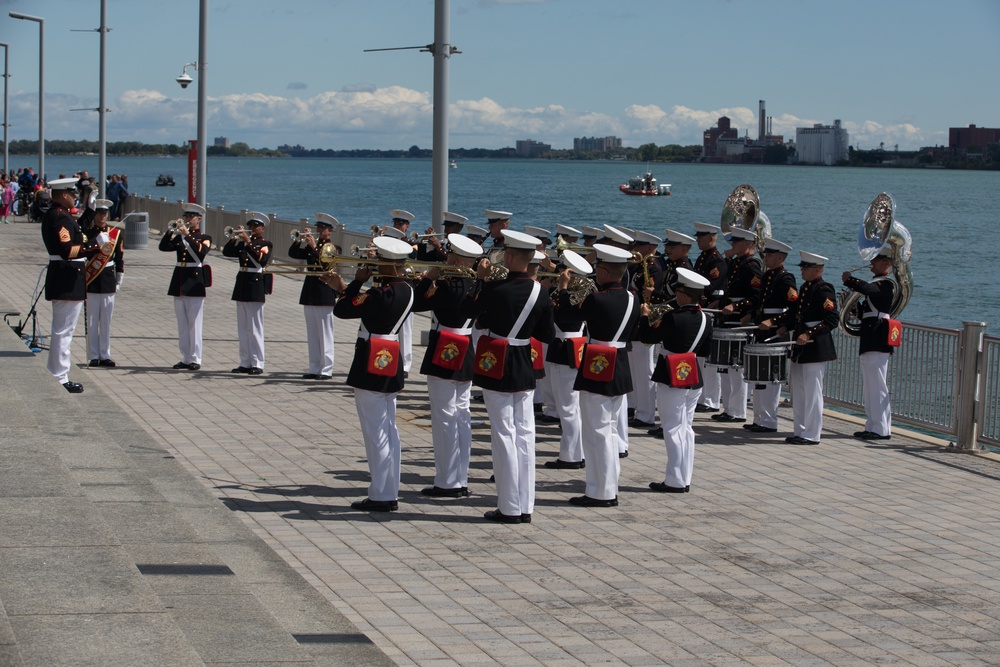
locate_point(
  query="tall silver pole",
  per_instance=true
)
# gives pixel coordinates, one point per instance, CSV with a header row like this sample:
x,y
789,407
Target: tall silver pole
x,y
442,52
202,170
102,171
41,87
6,76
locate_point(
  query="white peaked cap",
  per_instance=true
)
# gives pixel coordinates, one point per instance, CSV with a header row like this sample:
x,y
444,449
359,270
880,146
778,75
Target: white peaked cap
x,y
778,246
689,278
537,231
885,251
394,233
615,234
400,214
740,234
592,232
811,259
646,237
676,238
498,215
189,207
475,230
566,230
520,240
102,204
576,263
611,254
390,248
62,184
326,219
464,246
256,217
537,257
454,218
705,228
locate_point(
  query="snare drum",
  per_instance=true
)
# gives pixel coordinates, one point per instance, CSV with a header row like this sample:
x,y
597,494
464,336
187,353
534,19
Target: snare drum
x,y
763,364
727,347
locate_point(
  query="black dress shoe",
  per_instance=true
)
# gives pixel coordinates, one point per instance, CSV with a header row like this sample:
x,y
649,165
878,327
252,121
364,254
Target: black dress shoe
x,y
638,423
623,455
656,432
406,375
725,417
798,440
757,428
861,434
525,518
559,464
587,501
663,488
324,377
369,505
500,517
194,367
241,369
701,407
546,419
73,387
872,435
107,363
438,492
94,363
749,427
181,366
310,376
255,371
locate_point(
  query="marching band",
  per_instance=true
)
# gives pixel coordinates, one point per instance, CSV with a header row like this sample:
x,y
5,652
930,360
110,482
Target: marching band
x,y
613,330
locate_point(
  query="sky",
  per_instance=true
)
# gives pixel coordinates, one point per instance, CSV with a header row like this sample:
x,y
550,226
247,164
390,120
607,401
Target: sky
x,y
895,72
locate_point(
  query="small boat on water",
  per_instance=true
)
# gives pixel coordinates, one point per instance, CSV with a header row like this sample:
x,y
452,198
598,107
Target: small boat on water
x,y
645,185
453,164
164,179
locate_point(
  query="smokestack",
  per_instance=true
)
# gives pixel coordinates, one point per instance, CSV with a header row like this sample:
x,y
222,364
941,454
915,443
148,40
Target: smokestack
x,y
761,132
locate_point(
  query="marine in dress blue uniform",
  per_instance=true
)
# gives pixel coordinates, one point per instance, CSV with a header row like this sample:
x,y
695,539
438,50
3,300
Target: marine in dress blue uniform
x,y
712,265
65,285
317,300
642,399
252,285
400,230
874,348
102,289
188,282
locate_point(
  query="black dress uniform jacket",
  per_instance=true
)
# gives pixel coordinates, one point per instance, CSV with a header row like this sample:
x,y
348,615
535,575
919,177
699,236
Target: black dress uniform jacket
x,y
497,305
106,282
817,315
447,303
777,295
251,286
743,281
712,266
603,311
567,320
676,331
878,299
379,309
188,279
314,291
664,272
64,280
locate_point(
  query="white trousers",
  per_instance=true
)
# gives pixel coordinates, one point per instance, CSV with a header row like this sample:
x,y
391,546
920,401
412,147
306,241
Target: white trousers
x,y
319,335
599,417
250,326
544,390
100,308
512,439
377,415
566,402
642,398
189,311
712,391
65,315
406,342
875,392
806,381
765,405
734,393
677,415
451,431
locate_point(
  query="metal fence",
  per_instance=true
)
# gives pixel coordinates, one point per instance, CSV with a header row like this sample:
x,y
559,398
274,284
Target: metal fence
x,y
943,380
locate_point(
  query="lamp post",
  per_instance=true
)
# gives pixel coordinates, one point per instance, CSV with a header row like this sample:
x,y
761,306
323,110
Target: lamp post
x,y
41,87
6,153
201,173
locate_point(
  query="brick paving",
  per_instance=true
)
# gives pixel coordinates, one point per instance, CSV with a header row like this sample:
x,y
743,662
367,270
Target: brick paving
x,y
845,553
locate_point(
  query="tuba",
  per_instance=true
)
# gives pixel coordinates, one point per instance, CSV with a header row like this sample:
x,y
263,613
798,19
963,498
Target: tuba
x,y
742,209
878,228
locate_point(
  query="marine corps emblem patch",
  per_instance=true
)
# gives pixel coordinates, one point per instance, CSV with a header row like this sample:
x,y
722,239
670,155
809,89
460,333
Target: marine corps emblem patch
x,y
449,352
487,362
683,371
382,359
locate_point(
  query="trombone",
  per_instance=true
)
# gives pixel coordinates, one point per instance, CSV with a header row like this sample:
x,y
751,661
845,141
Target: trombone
x,y
561,245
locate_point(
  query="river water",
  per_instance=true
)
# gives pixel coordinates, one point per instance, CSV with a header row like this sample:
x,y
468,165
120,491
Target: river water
x,y
948,213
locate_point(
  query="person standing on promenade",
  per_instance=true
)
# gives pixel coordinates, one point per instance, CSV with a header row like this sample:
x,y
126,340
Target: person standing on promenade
x,y
448,367
377,370
104,278
317,299
497,222
681,335
611,314
812,322
250,291
511,311
400,230
431,248
189,281
642,398
65,284
711,265
874,347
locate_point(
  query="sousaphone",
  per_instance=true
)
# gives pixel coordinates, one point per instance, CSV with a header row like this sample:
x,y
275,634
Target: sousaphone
x,y
742,209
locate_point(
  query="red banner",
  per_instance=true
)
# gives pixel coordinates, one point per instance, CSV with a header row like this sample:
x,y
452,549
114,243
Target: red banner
x,y
97,263
193,170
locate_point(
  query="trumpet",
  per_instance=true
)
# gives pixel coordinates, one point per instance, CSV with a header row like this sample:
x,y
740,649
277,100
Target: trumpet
x,y
300,235
175,226
561,245
230,231
377,231
417,238
358,251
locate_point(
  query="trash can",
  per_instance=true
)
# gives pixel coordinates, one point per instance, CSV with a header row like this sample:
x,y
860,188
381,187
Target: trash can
x,y
136,231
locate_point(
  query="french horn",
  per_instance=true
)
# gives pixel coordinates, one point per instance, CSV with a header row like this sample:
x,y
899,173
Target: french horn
x,y
878,228
742,209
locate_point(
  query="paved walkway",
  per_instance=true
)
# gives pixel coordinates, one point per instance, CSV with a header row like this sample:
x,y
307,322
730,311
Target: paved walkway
x,y
845,553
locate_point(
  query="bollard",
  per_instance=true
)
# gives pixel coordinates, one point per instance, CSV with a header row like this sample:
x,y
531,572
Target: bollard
x,y
970,360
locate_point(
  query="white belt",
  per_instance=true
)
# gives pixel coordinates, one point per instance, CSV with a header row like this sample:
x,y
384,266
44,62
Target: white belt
x,y
774,311
251,269
383,336
58,258
609,343
881,316
563,335
184,264
812,324
515,342
458,331
737,299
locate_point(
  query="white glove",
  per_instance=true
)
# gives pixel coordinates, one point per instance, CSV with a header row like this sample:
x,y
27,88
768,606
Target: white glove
x,y
118,281
103,238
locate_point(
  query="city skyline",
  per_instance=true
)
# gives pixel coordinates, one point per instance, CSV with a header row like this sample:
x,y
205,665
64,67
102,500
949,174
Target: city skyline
x,y
894,72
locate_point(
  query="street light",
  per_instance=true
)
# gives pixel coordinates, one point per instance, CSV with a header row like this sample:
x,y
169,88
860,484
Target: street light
x,y
6,54
41,87
201,65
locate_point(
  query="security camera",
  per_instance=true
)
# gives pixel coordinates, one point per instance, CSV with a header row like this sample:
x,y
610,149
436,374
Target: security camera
x,y
184,79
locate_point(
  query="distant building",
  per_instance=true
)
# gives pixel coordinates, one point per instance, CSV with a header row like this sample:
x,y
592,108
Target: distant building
x,y
960,139
710,140
531,148
222,142
822,144
597,144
